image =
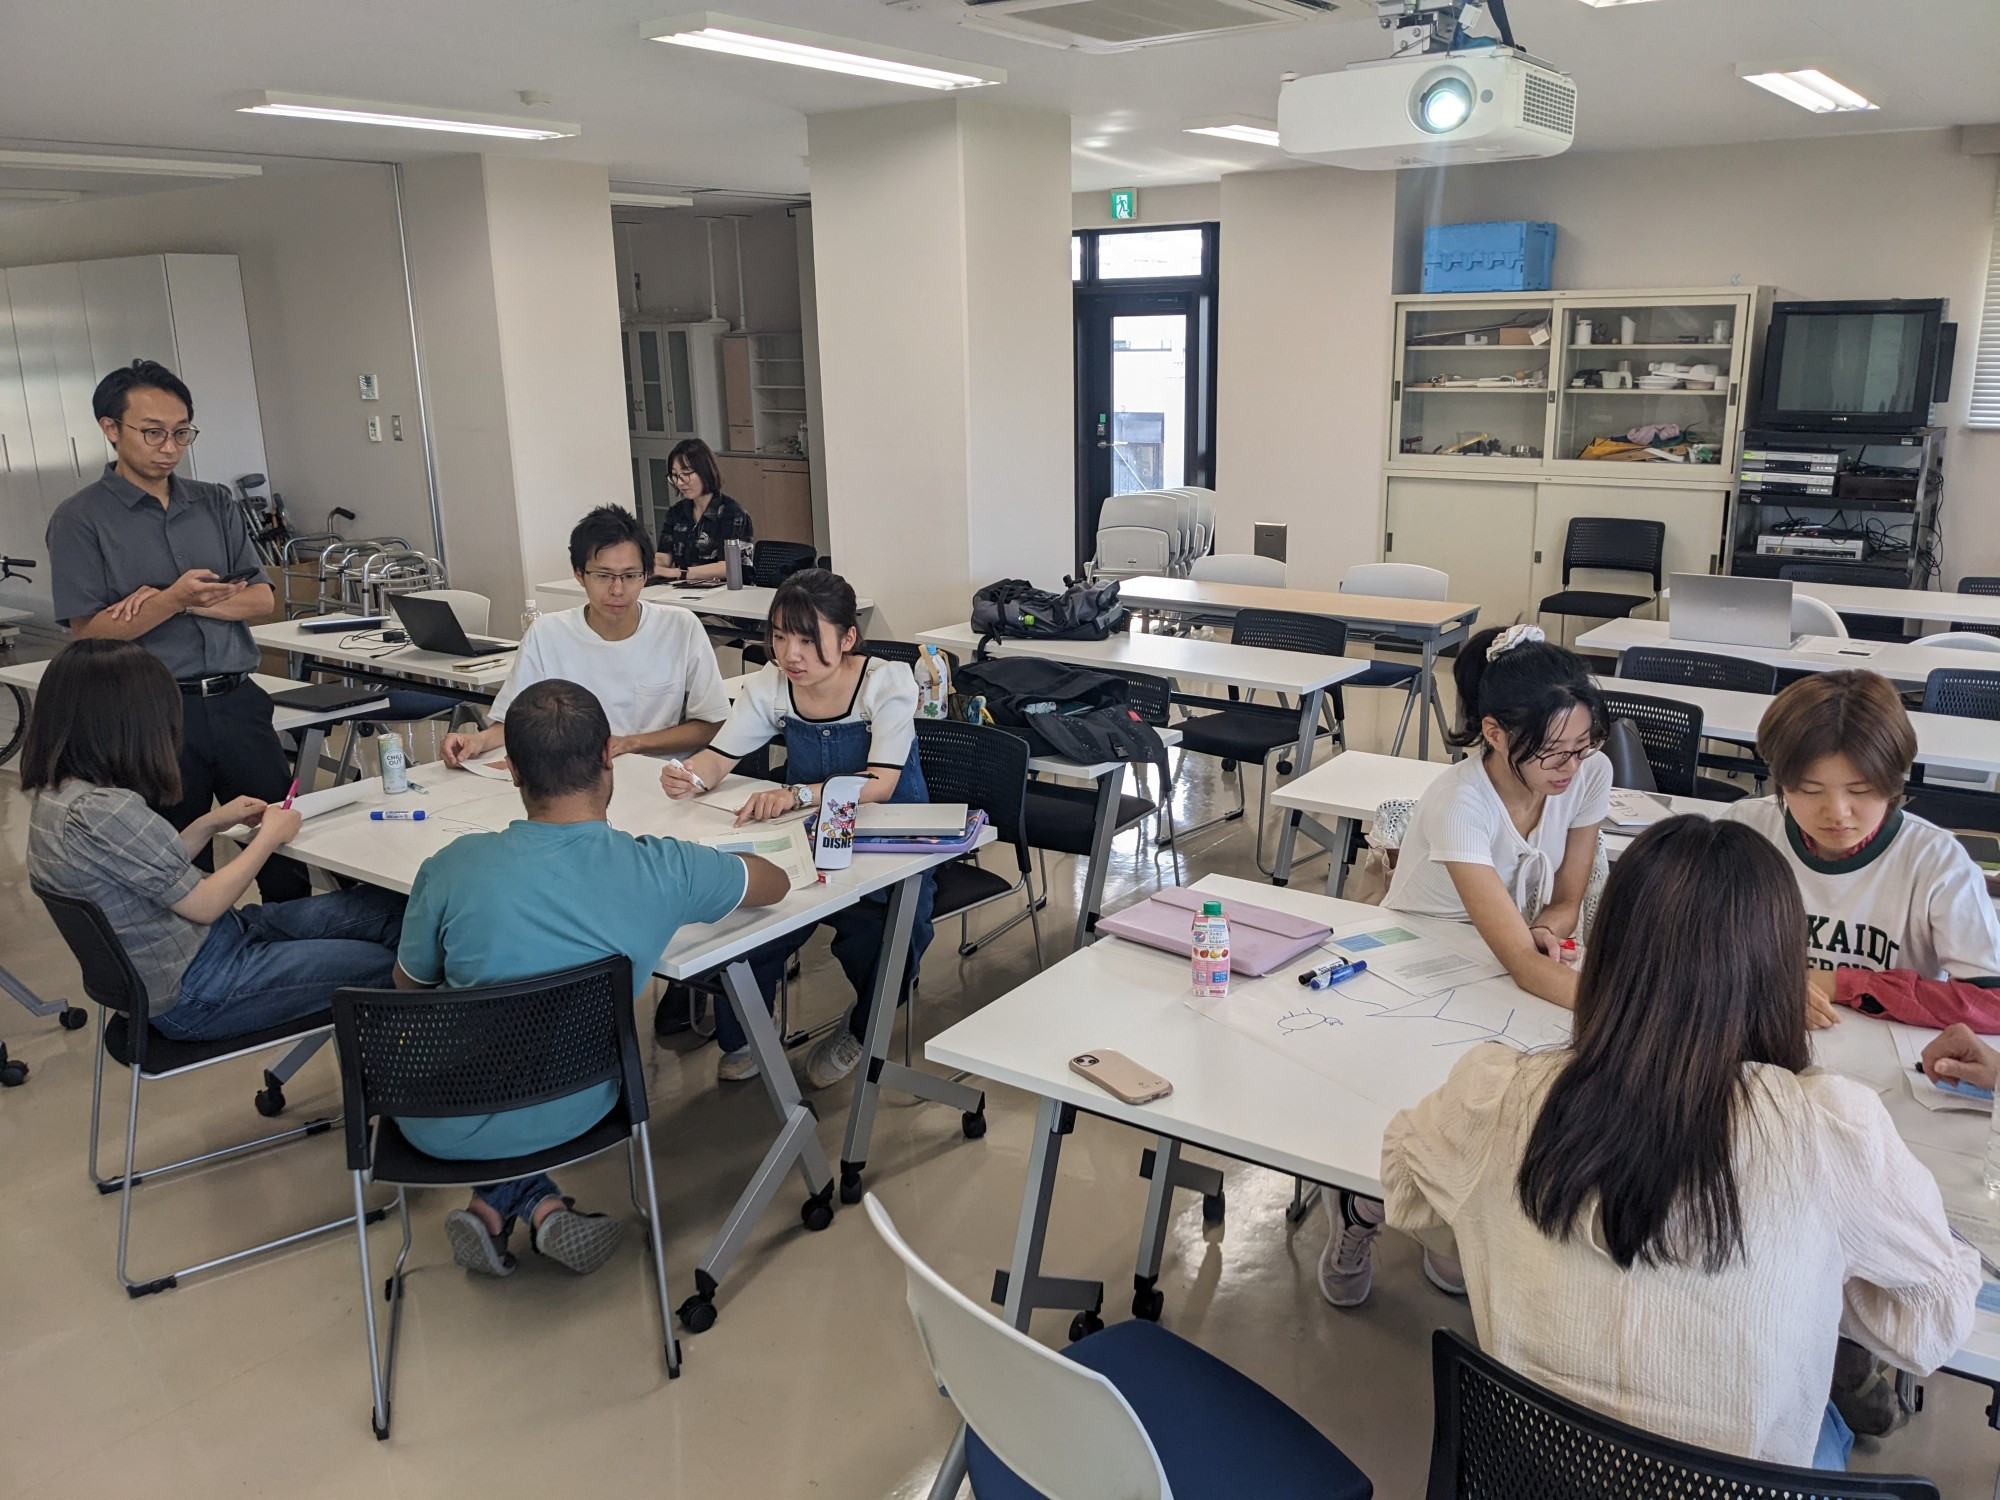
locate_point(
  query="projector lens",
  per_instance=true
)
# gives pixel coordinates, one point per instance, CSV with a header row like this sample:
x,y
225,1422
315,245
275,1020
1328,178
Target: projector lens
x,y
1444,105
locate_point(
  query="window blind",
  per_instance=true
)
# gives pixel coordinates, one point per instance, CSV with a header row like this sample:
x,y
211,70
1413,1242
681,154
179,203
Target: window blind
x,y
1985,406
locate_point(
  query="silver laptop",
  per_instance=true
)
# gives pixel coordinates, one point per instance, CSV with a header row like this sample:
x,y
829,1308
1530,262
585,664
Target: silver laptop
x,y
1731,611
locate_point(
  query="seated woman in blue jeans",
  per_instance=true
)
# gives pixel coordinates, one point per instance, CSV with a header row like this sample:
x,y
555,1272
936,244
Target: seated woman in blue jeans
x,y
102,751
839,713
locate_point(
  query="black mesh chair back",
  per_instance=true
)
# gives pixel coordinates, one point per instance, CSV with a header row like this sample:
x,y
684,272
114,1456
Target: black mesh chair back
x,y
1152,697
1498,1436
1990,587
1696,669
1670,733
438,1054
981,766
1614,544
906,652
1285,630
773,562
1962,693
108,975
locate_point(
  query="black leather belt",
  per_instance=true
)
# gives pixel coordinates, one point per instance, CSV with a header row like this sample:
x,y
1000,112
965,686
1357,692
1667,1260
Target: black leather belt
x,y
210,687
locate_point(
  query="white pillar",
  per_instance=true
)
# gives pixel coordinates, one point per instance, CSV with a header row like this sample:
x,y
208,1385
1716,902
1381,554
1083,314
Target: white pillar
x,y
941,266
517,303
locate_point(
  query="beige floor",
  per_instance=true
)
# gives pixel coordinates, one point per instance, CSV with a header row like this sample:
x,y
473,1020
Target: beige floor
x,y
810,1384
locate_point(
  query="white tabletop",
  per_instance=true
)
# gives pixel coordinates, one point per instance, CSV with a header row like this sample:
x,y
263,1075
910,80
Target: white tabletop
x,y
1942,740
27,676
1424,617
1237,1096
10,616
1256,667
384,661
749,603
348,842
1811,653
1905,604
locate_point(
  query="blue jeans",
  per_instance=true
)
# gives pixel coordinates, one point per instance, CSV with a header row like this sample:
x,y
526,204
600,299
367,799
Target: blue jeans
x,y
517,1199
1836,1441
262,966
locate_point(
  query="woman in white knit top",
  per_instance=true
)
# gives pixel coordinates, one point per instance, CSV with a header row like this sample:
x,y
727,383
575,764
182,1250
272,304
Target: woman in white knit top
x,y
1672,1221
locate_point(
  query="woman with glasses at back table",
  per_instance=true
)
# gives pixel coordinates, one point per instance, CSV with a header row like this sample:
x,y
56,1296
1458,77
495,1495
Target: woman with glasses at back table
x,y
1504,840
697,524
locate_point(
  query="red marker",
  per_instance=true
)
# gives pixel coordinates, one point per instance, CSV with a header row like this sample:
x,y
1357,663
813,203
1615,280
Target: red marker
x,y
293,792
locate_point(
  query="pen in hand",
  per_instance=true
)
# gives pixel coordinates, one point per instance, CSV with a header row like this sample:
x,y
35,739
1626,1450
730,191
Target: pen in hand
x,y
682,766
293,792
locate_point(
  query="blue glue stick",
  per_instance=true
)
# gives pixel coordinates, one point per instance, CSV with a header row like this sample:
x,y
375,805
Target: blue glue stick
x,y
397,815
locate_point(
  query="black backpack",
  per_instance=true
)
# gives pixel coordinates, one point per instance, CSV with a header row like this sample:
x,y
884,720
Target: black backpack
x,y
1014,607
1071,712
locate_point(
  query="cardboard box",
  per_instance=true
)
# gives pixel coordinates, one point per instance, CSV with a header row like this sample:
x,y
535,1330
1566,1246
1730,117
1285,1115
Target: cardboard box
x,y
1520,335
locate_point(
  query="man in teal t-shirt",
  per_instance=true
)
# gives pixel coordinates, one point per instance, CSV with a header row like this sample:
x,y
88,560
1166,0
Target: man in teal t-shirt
x,y
553,891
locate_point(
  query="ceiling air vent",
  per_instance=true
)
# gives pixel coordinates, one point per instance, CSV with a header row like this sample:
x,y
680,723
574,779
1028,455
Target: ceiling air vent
x,y
1120,25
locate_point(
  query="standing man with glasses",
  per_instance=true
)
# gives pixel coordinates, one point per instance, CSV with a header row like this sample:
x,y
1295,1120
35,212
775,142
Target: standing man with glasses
x,y
650,665
145,555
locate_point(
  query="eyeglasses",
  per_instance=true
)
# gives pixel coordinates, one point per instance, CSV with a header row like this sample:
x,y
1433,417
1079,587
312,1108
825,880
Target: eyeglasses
x,y
677,475
598,575
156,437
1555,760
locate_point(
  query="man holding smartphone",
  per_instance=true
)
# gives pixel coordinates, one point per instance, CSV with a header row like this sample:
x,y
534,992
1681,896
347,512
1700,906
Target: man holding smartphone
x,y
144,555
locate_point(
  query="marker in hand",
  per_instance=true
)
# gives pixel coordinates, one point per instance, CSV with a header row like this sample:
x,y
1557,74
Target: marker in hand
x,y
293,792
1328,975
1954,1085
682,766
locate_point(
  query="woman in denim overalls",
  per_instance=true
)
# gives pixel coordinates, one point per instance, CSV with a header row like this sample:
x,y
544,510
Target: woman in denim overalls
x,y
839,714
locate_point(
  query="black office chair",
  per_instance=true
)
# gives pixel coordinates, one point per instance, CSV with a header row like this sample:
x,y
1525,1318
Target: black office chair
x,y
1245,731
441,1054
1671,734
110,979
774,562
906,652
1963,694
985,768
1989,587
1696,669
1607,544
1497,1435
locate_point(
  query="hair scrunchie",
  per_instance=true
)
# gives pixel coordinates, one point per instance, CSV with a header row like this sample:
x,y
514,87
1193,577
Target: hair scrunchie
x,y
1511,637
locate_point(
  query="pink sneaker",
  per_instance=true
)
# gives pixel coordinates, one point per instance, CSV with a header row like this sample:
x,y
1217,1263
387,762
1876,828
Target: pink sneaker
x,y
1347,1265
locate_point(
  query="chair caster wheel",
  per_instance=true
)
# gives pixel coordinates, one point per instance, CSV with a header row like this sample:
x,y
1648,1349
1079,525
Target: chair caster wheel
x,y
1284,768
1228,767
74,1018
850,1192
1211,1208
12,1074
1084,1324
697,1315
271,1097
1149,1304
973,1123
817,1211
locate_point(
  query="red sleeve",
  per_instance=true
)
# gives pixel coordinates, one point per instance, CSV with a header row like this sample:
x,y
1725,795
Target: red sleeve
x,y
1903,995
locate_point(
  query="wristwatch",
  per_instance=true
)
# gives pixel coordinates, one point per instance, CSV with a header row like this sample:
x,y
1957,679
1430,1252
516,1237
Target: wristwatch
x,y
684,575
802,794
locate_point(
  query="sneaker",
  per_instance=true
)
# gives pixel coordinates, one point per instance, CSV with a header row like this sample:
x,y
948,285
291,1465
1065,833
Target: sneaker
x,y
583,1242
473,1248
833,1059
1443,1272
1864,1392
736,1066
1347,1265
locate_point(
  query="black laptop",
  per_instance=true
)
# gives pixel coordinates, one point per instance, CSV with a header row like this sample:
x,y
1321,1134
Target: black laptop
x,y
433,627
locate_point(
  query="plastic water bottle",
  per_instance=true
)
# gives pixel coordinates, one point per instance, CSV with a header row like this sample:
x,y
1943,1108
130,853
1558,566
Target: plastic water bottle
x,y
1993,1153
1211,952
395,765
528,617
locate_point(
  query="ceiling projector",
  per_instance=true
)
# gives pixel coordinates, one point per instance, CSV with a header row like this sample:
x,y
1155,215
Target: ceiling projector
x,y
1442,100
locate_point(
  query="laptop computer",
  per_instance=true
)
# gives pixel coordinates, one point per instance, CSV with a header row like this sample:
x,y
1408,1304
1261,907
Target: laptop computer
x,y
1731,611
433,627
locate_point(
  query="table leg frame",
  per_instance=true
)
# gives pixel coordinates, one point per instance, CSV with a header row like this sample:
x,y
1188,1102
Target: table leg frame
x,y
1167,1170
1302,762
1022,1288
1103,830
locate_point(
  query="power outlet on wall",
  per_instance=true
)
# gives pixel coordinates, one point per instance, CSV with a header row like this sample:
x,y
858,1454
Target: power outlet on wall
x,y
395,429
370,391
374,429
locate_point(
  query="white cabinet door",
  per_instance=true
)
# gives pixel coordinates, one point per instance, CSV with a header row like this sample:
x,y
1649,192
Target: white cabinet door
x,y
126,310
1693,517
1473,529
23,514
59,377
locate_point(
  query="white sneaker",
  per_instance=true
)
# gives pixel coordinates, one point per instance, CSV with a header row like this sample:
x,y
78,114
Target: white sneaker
x,y
833,1059
1444,1273
1347,1265
736,1066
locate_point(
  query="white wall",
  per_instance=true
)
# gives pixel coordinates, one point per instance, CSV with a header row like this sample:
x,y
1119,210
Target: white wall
x,y
1894,215
668,251
323,294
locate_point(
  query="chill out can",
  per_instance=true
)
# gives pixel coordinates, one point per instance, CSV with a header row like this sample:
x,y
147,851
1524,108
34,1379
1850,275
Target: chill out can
x,y
395,765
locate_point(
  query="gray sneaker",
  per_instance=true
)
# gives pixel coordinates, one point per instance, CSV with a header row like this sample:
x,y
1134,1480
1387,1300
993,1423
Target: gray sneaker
x,y
1347,1265
833,1059
583,1242
473,1248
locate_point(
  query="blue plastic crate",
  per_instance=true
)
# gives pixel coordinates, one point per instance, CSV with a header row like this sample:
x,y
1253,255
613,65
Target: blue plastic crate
x,y
1516,256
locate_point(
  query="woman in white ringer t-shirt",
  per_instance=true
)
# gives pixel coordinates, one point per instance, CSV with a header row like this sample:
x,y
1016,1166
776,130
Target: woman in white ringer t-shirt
x,y
1504,840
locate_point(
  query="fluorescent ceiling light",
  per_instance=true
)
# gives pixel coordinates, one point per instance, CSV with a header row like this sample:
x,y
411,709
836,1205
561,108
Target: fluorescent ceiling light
x,y
650,200
408,117
1809,88
36,195
1237,128
161,166
714,32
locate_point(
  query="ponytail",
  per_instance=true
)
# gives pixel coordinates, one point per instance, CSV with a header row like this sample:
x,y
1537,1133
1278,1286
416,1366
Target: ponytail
x,y
1515,677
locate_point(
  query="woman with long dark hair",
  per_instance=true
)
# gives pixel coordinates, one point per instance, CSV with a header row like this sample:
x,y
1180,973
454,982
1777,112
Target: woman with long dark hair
x,y
1673,1220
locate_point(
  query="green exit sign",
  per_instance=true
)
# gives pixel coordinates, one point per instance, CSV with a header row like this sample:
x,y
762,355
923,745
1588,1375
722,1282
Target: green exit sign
x,y
1124,203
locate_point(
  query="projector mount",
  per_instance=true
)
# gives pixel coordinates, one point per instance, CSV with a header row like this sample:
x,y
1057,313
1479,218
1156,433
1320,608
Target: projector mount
x,y
1428,26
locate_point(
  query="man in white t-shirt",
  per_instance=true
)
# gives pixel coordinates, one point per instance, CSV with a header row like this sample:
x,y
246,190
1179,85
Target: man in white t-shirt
x,y
650,665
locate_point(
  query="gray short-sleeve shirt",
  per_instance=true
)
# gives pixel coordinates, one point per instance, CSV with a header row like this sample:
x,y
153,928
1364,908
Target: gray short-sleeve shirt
x,y
111,538
104,844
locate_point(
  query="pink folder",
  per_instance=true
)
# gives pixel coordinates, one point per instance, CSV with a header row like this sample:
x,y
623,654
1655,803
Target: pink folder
x,y
1260,939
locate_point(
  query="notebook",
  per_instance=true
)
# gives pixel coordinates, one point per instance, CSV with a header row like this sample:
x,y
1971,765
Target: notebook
x,y
1260,940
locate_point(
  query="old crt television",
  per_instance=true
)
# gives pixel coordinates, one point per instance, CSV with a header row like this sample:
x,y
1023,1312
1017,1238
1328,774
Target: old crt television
x,y
1859,366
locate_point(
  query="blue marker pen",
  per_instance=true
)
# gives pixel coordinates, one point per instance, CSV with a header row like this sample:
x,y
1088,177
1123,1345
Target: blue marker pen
x,y
1955,1085
1328,975
398,815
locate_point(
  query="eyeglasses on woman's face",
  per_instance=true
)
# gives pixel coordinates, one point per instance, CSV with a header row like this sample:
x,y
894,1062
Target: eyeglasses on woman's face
x,y
1556,760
